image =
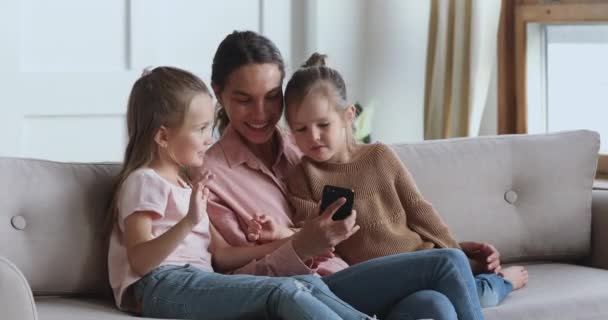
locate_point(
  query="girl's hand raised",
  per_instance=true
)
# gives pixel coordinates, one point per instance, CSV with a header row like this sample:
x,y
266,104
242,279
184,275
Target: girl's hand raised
x,y
198,200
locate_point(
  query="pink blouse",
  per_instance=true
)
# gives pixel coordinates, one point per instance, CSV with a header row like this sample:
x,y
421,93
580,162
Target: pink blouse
x,y
243,186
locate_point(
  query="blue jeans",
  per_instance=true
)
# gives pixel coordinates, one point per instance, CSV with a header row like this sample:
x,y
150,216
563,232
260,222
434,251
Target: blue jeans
x,y
186,292
492,289
436,284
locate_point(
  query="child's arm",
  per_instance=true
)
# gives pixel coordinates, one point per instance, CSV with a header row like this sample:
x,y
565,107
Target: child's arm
x,y
227,258
145,252
282,262
425,220
421,215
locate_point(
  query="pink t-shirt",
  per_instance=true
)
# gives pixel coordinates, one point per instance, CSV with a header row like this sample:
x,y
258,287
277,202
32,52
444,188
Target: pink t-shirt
x,y
145,190
242,186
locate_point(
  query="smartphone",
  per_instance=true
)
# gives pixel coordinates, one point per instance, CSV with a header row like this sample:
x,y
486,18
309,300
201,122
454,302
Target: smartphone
x,y
331,194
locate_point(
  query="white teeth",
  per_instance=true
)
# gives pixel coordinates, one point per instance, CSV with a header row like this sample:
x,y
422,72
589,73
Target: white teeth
x,y
258,126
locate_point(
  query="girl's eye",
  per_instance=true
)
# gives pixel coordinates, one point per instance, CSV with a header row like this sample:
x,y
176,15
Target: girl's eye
x,y
203,128
324,124
302,129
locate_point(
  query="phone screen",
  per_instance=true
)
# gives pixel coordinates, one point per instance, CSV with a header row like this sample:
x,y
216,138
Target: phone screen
x,y
331,194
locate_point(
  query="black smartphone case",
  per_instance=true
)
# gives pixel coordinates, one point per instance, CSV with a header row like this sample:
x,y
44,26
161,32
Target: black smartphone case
x,y
333,193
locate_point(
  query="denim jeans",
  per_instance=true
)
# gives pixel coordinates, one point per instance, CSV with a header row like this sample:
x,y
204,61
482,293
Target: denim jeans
x,y
433,284
186,292
492,289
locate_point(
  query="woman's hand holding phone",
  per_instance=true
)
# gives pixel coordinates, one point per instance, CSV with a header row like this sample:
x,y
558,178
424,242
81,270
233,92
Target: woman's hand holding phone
x,y
321,233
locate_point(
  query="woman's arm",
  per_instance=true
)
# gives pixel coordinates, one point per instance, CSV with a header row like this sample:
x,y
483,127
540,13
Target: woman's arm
x,y
285,258
227,258
282,262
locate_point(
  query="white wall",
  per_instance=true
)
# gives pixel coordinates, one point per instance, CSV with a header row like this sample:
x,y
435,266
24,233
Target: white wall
x,y
67,65
67,73
395,65
339,32
380,49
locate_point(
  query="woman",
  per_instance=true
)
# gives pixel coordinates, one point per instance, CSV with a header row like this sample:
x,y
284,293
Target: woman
x,y
250,162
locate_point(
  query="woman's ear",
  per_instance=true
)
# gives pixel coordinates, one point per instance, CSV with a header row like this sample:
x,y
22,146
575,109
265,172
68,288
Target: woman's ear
x,y
162,137
218,93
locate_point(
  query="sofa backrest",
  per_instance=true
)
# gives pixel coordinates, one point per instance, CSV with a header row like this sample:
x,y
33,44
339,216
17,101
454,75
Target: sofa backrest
x,y
529,195
52,216
53,213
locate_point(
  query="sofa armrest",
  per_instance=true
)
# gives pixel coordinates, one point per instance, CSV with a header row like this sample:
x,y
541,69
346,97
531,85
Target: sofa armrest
x,y
16,299
599,229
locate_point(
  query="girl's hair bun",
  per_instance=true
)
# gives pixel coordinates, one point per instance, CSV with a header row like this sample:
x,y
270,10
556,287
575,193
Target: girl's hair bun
x,y
315,60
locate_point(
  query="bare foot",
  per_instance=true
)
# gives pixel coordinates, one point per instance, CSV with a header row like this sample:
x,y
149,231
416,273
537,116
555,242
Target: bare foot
x,y
518,276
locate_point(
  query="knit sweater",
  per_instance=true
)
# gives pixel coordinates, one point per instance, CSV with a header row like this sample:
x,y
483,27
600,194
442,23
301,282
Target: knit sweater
x,y
393,215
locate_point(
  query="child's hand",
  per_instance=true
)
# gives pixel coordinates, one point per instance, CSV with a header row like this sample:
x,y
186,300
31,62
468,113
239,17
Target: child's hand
x,y
485,256
263,228
198,200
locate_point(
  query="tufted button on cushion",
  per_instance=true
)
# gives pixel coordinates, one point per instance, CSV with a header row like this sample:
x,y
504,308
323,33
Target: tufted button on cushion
x,y
510,196
18,222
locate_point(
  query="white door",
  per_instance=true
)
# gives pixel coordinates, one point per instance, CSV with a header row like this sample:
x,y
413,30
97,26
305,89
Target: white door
x,y
66,66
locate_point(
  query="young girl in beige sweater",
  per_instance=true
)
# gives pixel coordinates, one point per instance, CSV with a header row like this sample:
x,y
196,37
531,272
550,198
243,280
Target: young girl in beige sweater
x,y
393,215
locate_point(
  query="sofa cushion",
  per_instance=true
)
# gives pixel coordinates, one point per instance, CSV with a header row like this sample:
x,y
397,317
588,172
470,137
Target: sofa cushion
x,y
529,195
58,308
557,292
52,216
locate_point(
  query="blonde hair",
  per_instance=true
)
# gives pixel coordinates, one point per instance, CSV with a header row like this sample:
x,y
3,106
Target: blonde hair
x,y
160,97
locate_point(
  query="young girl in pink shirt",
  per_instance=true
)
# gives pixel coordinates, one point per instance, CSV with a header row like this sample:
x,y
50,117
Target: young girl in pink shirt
x,y
163,250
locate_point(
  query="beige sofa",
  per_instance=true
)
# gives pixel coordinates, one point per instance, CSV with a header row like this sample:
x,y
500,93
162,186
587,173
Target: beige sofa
x,y
529,195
